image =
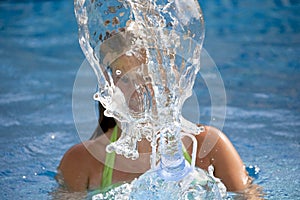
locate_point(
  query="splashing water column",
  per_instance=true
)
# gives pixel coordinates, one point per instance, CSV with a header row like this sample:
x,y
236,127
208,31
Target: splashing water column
x,y
172,164
146,55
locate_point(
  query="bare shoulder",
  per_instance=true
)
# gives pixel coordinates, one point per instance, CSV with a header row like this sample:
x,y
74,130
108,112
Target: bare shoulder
x,y
212,136
73,170
76,154
218,149
213,140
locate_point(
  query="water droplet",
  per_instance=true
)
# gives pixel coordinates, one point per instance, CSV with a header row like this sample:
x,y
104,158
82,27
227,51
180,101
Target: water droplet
x,y
118,72
128,53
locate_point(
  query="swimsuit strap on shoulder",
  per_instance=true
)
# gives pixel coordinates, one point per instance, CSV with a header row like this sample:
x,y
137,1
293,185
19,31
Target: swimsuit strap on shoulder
x,y
109,162
186,155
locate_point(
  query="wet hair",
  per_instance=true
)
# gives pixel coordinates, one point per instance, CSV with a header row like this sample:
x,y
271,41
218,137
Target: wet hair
x,y
104,123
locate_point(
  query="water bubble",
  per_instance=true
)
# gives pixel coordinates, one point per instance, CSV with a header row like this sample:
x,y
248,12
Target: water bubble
x,y
253,171
129,53
118,72
110,148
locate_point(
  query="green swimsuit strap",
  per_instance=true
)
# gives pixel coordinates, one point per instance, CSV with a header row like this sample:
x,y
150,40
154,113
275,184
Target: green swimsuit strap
x,y
186,154
109,162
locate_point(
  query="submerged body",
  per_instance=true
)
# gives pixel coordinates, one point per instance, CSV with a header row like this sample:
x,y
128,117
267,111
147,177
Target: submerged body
x,y
82,166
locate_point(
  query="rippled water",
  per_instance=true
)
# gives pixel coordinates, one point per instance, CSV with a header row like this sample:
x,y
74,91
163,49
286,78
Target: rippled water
x,y
255,46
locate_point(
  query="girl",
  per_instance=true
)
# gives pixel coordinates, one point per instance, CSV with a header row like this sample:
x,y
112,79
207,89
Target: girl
x,y
82,166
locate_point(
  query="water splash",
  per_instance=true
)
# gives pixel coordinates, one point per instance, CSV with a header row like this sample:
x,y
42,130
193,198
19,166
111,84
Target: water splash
x,y
162,51
196,185
146,55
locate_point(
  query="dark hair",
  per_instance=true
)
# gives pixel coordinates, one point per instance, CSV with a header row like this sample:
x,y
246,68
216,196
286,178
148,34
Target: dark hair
x,y
104,123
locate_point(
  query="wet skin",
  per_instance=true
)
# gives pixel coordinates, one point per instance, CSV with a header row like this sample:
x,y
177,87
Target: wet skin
x,y
82,165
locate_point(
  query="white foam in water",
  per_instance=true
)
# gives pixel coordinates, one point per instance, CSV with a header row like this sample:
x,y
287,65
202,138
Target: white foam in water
x,y
162,41
196,185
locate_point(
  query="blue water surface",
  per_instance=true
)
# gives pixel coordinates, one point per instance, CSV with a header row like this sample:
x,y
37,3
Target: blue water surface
x,y
255,44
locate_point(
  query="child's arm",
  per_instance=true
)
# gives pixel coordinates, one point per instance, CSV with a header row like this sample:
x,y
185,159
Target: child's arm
x,y
214,148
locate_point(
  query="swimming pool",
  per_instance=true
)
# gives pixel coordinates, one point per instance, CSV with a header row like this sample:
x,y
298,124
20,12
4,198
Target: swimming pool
x,y
255,46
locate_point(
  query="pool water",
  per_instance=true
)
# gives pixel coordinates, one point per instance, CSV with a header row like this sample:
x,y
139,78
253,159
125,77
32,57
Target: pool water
x,y
255,44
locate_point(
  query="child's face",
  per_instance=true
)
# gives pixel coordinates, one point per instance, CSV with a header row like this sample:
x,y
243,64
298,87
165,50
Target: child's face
x,y
139,78
129,73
